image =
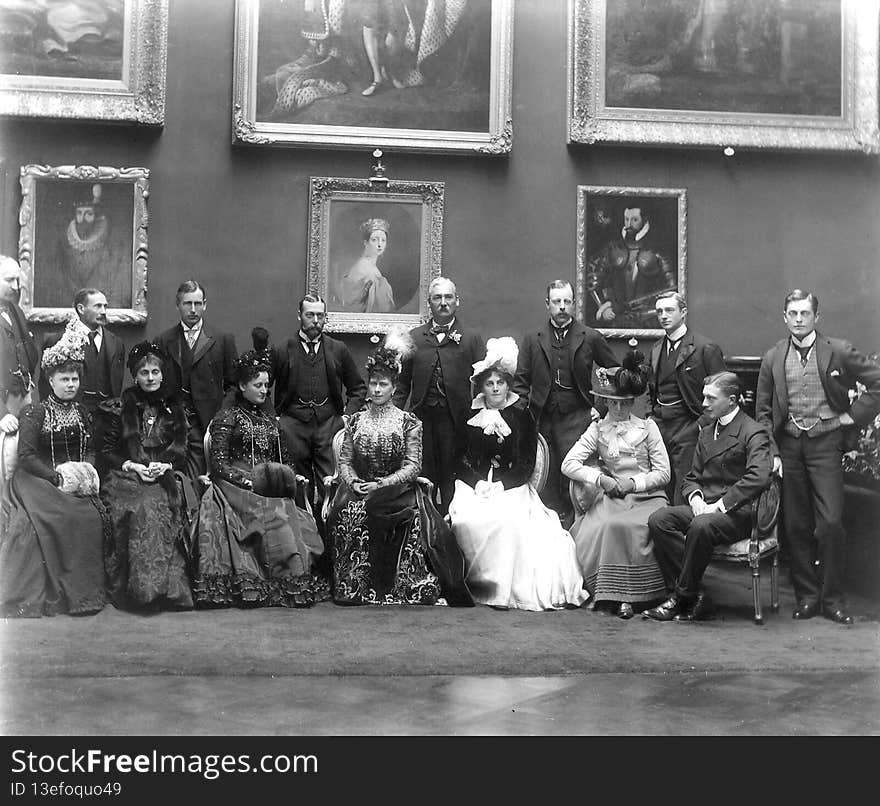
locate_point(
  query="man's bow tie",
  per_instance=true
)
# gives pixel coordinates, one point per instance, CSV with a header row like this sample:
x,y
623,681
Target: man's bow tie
x,y
435,329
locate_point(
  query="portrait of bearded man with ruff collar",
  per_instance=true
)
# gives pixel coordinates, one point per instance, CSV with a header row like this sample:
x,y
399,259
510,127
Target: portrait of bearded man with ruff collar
x,y
93,248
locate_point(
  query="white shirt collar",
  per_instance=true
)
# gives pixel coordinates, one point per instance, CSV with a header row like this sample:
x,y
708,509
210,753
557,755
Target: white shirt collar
x,y
727,418
807,341
678,333
193,329
304,337
449,325
640,234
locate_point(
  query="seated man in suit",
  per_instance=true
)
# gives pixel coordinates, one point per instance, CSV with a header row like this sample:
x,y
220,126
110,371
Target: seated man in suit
x,y
732,467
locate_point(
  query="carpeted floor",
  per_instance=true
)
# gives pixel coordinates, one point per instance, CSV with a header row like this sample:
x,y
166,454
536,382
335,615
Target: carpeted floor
x,y
332,640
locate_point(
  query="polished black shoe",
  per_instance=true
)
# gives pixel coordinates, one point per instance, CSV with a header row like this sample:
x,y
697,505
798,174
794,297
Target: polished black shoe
x,y
839,616
805,611
665,611
700,610
625,610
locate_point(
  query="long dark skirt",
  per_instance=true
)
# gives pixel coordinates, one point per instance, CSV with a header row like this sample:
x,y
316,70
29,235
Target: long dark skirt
x,y
378,554
255,551
146,559
51,551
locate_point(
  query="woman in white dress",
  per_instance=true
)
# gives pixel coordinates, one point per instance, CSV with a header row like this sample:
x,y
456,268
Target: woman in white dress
x,y
621,468
363,289
516,552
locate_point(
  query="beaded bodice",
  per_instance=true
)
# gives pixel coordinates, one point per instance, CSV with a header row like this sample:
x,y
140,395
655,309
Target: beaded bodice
x,y
379,443
382,442
244,436
64,435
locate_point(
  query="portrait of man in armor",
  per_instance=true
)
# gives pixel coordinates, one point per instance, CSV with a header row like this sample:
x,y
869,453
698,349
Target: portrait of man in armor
x,y
631,255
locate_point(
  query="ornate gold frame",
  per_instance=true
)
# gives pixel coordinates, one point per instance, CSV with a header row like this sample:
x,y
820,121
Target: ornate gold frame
x,y
580,290
138,178
138,98
590,121
496,140
323,191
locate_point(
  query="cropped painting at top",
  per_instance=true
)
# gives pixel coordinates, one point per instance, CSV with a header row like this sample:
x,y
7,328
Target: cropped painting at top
x,y
74,39
759,56
771,74
429,74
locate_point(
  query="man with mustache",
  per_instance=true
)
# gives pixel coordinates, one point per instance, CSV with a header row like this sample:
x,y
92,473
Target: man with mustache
x,y
628,270
20,359
104,365
316,383
436,381
553,374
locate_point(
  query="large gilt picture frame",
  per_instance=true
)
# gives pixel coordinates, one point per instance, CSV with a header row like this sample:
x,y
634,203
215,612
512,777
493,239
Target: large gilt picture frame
x,y
101,60
83,226
373,251
631,247
757,74
429,76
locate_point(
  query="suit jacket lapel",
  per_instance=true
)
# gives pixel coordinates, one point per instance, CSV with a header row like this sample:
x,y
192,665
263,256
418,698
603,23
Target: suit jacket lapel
x,y
655,356
329,357
685,349
727,440
823,358
544,341
203,344
780,383
576,339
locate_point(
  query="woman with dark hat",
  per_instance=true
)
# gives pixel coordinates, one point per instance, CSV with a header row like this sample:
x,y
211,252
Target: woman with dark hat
x,y
256,547
151,501
517,553
390,545
620,467
51,548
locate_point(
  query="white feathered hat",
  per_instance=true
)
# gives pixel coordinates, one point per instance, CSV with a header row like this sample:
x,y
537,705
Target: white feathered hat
x,y
501,354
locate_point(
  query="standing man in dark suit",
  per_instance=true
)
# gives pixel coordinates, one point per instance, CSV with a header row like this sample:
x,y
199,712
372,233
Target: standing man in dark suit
x,y
803,399
104,364
436,380
316,383
18,350
680,363
201,366
732,467
553,374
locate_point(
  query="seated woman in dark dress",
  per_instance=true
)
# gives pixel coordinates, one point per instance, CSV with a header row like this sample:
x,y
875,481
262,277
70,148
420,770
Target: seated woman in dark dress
x,y
383,527
150,499
517,553
51,548
256,547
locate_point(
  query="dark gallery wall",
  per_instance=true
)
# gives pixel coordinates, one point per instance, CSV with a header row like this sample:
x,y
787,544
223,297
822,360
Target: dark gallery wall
x,y
236,217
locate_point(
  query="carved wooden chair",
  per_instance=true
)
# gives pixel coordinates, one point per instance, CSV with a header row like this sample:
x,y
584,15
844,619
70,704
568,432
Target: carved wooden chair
x,y
762,544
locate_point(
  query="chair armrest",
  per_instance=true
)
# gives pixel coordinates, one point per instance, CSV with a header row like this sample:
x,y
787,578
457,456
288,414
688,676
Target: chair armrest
x,y
425,482
330,483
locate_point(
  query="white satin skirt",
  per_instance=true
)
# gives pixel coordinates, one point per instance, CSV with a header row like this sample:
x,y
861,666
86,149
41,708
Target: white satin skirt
x,y
517,553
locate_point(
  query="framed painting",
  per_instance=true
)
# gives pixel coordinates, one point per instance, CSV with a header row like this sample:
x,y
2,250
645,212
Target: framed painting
x,y
432,75
84,59
83,227
373,252
758,74
631,247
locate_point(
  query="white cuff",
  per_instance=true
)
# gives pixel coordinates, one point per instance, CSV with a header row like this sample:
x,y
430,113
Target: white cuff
x,y
641,482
